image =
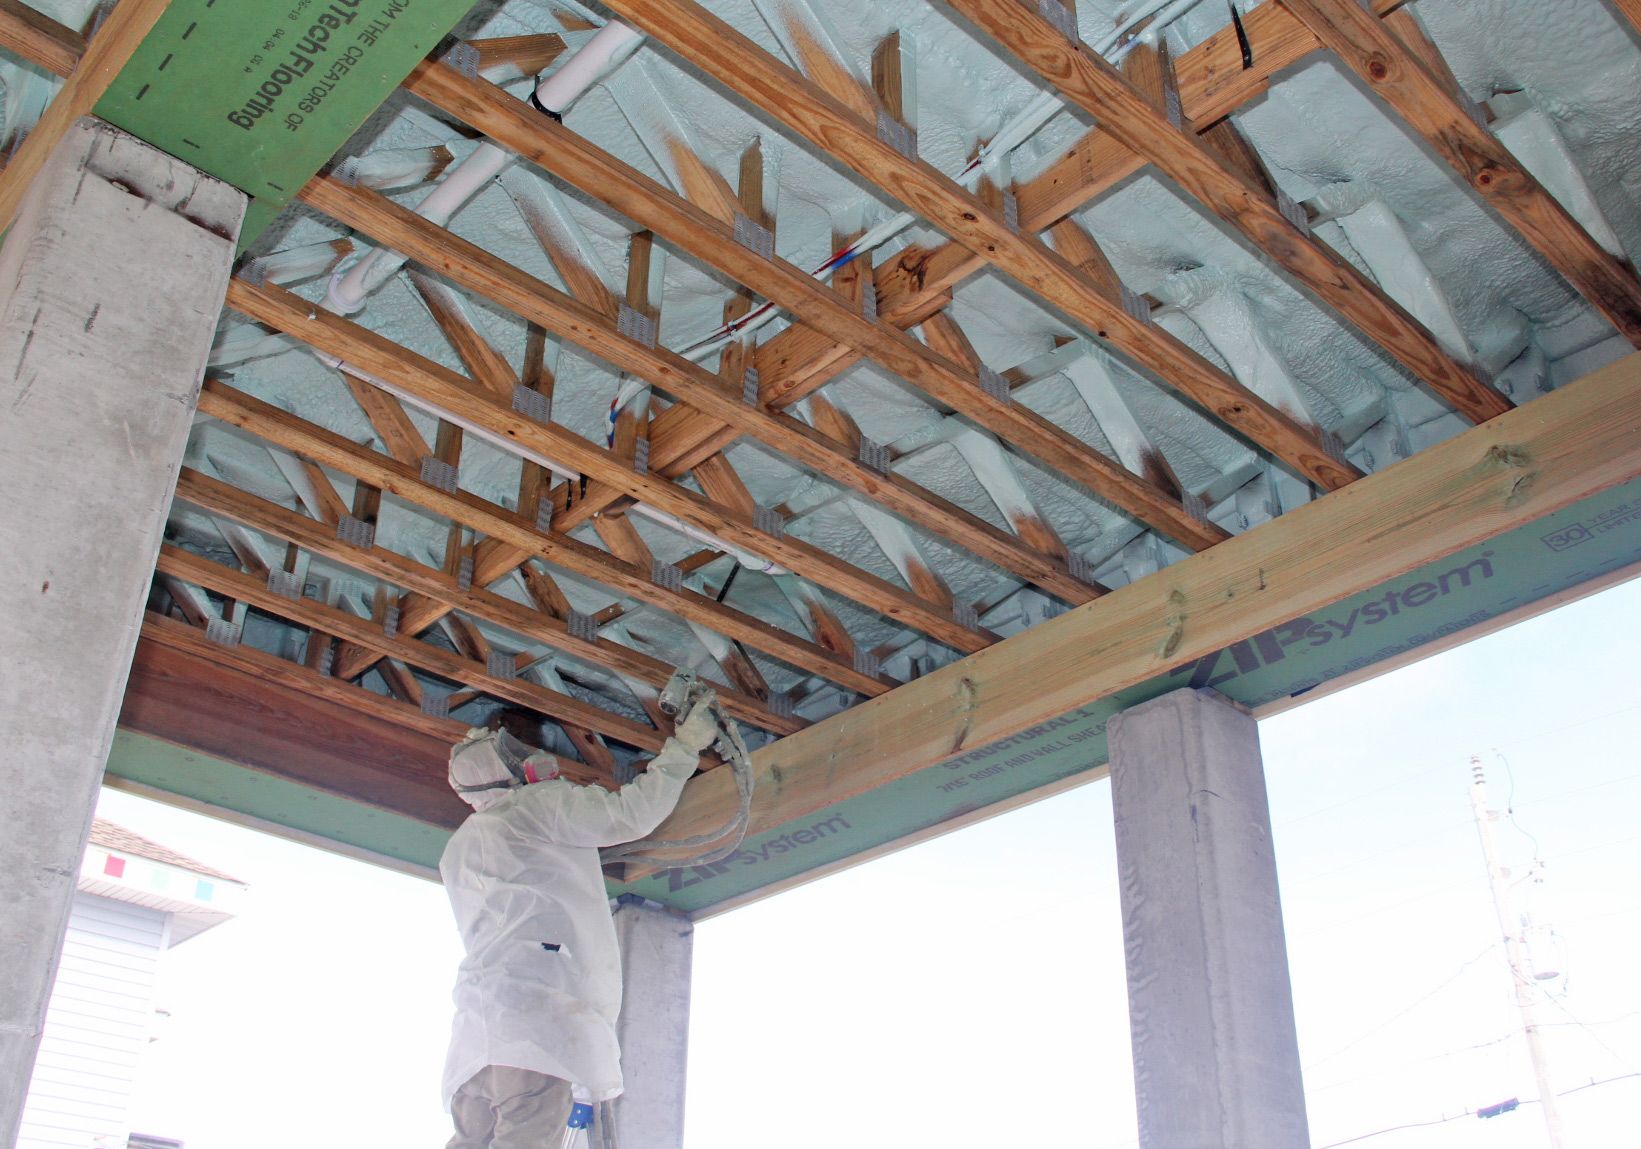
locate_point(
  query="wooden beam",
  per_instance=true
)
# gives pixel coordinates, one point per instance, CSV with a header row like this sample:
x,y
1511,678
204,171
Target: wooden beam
x,y
378,562
747,70
519,55
248,707
1430,109
203,572
1131,119
482,361
39,39
1212,81
524,295
445,392
1568,445
118,37
295,434
536,137
1630,12
390,420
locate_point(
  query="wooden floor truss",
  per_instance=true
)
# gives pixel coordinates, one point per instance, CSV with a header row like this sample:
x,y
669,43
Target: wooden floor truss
x,y
1169,115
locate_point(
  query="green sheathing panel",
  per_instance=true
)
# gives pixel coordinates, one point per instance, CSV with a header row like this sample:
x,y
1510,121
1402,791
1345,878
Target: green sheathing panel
x,y
262,94
1544,558
214,782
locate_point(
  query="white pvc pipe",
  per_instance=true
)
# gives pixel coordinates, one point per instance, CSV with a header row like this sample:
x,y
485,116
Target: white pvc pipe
x,y
612,44
750,561
610,47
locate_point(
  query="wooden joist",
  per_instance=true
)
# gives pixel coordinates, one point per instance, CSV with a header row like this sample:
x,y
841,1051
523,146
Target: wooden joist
x,y
795,363
1432,110
549,145
449,394
39,39
108,52
1212,82
1134,121
178,635
507,528
1575,442
512,288
318,539
750,72
245,588
1630,12
249,707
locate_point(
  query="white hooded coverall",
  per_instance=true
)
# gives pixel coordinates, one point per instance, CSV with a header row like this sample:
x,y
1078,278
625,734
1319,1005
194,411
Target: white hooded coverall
x,y
540,987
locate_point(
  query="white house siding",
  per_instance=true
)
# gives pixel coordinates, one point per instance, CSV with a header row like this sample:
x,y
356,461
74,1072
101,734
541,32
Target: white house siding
x,y
97,1026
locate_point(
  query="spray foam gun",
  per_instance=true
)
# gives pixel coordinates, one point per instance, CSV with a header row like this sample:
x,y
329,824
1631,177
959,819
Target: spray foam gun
x,y
683,692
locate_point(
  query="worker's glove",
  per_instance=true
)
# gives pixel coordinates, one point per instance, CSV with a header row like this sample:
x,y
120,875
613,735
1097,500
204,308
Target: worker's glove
x,y
699,728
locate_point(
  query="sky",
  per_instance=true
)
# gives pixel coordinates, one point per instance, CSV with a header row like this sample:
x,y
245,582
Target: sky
x,y
970,991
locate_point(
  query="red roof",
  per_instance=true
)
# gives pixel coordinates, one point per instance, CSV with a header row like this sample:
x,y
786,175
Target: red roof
x,y
111,837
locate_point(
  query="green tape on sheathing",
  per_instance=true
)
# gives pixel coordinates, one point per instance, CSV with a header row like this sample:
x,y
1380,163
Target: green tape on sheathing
x,y
262,94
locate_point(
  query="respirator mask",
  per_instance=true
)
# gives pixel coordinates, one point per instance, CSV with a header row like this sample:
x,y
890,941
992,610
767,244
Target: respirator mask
x,y
487,765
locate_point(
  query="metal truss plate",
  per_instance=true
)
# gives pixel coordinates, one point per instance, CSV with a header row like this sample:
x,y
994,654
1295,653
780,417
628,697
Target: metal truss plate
x,y
873,454
641,455
635,325
1060,16
464,573
327,658
1477,112
666,575
1195,507
501,664
1171,105
436,705
780,704
1135,304
462,56
897,135
544,515
285,584
356,532
345,173
1011,211
440,474
582,626
390,622
966,616
1335,448
1293,211
868,296
749,387
1079,567
222,632
994,384
768,521
867,663
532,404
754,236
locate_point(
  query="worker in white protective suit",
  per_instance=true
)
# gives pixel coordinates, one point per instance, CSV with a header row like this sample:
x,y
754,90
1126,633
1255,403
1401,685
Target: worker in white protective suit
x,y
539,991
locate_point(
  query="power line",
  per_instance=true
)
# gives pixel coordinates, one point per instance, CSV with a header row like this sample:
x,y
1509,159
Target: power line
x,y
1395,1017
1467,1113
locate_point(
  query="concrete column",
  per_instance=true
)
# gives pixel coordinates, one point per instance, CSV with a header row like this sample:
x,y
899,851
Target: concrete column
x,y
656,949
1216,1059
111,280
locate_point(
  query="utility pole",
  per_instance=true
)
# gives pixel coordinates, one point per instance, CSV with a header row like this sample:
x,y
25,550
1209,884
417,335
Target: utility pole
x,y
1514,931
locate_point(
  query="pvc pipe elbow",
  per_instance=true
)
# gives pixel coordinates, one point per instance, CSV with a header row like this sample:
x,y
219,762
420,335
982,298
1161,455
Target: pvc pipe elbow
x,y
345,294
609,47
